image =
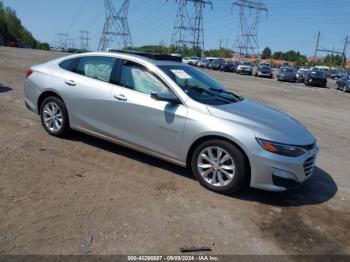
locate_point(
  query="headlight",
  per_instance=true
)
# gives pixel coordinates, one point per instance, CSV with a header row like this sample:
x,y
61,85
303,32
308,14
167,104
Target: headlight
x,y
281,149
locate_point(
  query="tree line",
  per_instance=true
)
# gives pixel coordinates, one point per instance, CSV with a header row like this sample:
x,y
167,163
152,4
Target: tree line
x,y
12,30
301,60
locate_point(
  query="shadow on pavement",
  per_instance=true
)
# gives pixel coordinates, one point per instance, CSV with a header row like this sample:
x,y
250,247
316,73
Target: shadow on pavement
x,y
130,153
318,189
4,89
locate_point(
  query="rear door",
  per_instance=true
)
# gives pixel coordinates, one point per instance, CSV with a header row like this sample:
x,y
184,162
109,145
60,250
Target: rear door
x,y
88,91
140,120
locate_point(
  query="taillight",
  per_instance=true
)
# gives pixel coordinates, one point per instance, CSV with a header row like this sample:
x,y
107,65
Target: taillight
x,y
29,73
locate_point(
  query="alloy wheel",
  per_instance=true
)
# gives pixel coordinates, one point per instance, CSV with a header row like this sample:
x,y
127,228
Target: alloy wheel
x,y
52,116
216,166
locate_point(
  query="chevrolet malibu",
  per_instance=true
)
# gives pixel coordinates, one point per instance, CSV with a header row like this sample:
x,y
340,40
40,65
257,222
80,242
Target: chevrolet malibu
x,y
174,112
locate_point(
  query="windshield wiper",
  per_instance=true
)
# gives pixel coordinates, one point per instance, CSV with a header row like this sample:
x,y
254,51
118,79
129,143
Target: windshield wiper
x,y
226,92
201,90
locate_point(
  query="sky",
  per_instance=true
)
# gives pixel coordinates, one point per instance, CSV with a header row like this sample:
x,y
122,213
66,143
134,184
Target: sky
x,y
289,25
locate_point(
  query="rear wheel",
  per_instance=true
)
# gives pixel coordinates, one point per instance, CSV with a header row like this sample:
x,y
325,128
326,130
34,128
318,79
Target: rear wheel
x,y
219,166
54,116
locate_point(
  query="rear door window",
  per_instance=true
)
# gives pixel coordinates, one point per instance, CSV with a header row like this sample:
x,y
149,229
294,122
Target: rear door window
x,y
69,64
96,67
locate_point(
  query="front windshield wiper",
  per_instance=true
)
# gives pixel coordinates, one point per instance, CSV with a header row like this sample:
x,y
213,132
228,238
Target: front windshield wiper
x,y
226,92
201,90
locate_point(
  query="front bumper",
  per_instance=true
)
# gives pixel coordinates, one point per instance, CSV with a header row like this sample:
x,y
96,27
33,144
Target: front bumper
x,y
317,82
279,173
264,74
286,78
244,71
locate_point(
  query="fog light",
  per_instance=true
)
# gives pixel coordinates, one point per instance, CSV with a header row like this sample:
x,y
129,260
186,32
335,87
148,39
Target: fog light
x,y
284,174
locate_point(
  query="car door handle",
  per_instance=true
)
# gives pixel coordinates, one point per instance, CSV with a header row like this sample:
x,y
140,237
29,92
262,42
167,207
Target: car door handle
x,y
120,97
70,83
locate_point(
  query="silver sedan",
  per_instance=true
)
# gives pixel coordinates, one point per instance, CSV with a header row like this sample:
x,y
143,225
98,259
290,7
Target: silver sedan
x,y
174,112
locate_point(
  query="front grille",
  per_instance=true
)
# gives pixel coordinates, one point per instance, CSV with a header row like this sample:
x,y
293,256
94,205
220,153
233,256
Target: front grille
x,y
309,165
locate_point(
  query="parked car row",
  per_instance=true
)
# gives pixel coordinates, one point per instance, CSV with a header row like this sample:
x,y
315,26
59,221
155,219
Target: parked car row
x,y
316,76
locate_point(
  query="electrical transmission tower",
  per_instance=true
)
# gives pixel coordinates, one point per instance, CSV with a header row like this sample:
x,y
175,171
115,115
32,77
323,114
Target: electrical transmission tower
x,y
71,43
116,27
188,29
63,40
249,17
84,40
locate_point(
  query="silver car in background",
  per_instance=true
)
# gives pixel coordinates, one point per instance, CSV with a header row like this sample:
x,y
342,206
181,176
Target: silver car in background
x,y
174,112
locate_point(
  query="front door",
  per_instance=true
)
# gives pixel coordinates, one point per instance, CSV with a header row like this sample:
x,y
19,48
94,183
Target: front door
x,y
140,120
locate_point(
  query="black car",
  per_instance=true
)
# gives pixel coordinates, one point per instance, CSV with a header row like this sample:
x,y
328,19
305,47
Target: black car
x,y
228,66
316,78
264,71
287,74
216,65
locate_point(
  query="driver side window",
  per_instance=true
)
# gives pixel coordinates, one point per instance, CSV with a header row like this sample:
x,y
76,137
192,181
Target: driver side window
x,y
138,78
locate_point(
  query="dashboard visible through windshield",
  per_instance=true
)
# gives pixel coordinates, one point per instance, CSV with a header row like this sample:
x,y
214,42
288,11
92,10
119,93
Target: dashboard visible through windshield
x,y
199,86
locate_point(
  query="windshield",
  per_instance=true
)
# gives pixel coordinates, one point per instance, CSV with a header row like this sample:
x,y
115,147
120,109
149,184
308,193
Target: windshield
x,y
287,70
199,86
245,63
317,73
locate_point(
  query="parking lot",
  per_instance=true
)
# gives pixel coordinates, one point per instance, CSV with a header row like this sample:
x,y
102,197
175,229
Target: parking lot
x,y
83,195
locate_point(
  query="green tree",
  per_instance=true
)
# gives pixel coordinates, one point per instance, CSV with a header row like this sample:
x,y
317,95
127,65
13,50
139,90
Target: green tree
x,y
266,53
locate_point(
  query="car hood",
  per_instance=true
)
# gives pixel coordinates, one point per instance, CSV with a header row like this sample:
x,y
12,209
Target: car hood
x,y
267,123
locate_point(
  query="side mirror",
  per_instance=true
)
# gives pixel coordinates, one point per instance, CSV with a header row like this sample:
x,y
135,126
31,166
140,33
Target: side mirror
x,y
167,97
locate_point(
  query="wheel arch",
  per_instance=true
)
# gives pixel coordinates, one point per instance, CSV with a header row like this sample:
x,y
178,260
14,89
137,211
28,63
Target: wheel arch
x,y
216,137
45,95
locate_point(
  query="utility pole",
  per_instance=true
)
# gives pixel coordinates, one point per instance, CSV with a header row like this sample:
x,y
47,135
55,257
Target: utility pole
x,y
317,44
227,43
344,50
332,51
220,46
84,40
116,27
188,28
249,15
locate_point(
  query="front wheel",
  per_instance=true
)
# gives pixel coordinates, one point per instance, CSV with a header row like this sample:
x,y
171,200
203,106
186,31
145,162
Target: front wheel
x,y
219,166
54,116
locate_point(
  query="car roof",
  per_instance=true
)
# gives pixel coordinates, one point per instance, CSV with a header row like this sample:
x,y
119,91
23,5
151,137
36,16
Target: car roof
x,y
132,56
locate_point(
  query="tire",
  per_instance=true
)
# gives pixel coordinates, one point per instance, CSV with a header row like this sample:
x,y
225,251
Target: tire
x,y
235,159
60,127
